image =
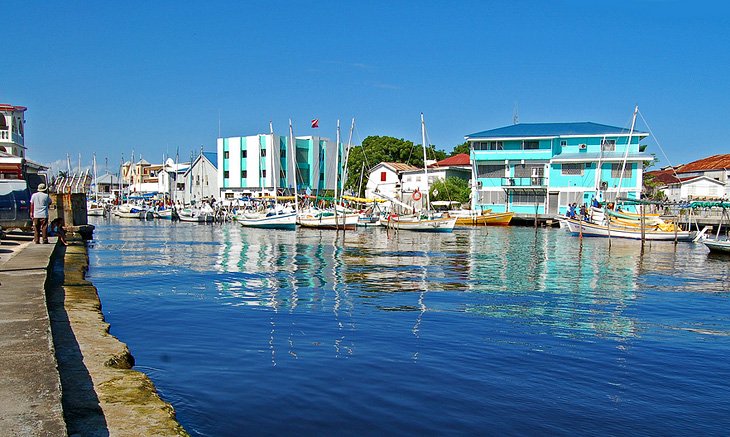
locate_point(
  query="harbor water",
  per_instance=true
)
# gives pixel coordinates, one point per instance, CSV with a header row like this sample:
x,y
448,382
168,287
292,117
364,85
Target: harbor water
x,y
482,331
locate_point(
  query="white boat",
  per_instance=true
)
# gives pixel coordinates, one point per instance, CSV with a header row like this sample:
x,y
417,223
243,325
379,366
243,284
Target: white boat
x,y
95,209
717,245
326,219
194,215
128,210
268,220
165,214
420,223
427,221
589,229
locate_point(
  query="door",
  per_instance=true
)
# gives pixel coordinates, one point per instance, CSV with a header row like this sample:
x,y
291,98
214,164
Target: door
x,y
553,203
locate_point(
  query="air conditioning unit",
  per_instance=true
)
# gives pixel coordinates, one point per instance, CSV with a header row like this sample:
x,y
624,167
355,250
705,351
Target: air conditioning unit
x,y
582,147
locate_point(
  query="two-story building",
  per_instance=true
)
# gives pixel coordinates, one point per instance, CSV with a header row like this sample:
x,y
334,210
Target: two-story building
x,y
707,178
542,168
262,165
13,162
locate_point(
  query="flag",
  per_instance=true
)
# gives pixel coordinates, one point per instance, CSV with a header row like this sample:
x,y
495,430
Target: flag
x,y
315,123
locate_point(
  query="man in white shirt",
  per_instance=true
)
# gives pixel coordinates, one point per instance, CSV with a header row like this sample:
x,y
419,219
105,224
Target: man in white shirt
x,y
39,203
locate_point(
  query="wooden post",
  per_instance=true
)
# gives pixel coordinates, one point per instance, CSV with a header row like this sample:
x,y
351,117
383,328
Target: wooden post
x,y
643,224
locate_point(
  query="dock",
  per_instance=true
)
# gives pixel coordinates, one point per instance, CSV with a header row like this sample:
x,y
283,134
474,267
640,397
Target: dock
x,y
63,373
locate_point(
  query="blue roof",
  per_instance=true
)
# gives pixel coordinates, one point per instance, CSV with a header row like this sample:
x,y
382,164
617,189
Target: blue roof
x,y
212,157
525,130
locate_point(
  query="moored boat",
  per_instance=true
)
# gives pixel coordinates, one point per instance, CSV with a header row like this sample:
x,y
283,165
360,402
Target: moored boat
x,y
589,229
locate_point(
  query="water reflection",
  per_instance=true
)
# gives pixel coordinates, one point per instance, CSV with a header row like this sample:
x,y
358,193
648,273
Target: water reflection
x,y
546,279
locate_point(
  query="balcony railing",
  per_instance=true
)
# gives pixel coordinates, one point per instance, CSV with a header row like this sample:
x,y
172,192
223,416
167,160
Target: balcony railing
x,y
534,181
4,135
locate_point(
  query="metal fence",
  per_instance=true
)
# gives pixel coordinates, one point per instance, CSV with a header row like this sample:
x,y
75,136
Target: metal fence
x,y
76,183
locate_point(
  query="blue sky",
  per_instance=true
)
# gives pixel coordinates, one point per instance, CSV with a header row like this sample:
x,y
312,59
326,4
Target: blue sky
x,y
112,77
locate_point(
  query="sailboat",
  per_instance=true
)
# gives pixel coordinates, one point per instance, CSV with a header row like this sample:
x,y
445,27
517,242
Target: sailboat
x,y
336,218
608,223
277,216
718,245
427,220
94,207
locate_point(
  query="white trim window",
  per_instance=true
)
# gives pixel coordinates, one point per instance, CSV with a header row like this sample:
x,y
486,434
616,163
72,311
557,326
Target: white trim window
x,y
616,171
608,145
572,169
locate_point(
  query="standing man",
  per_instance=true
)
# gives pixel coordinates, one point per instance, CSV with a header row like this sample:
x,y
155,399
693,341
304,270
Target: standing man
x,y
39,203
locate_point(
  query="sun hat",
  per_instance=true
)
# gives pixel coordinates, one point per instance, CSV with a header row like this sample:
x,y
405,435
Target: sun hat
x,y
41,187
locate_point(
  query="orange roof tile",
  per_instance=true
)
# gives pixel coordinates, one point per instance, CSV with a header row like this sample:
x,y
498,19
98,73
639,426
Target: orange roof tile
x,y
399,166
715,162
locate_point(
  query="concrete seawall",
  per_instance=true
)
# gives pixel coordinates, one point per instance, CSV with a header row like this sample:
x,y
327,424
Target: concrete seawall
x,y
94,392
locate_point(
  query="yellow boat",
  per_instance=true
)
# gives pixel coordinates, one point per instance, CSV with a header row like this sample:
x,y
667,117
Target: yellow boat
x,y
485,219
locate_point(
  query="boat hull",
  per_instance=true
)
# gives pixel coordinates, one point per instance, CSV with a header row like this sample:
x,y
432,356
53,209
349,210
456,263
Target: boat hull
x,y
718,246
490,219
421,225
280,221
347,222
588,229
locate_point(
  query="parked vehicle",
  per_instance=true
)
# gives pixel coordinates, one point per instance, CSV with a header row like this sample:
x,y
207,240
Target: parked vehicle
x,y
15,204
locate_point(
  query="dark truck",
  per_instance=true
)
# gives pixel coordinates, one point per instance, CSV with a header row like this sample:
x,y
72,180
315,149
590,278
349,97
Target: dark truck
x,y
15,201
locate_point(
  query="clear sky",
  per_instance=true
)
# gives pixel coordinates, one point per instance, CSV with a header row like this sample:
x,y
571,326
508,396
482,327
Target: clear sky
x,y
155,76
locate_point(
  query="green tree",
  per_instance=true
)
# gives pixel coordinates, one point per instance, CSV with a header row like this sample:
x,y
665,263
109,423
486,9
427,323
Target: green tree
x,y
453,189
377,149
461,148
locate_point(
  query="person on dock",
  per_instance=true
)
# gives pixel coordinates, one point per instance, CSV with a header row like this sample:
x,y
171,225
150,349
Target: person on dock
x,y
39,203
57,229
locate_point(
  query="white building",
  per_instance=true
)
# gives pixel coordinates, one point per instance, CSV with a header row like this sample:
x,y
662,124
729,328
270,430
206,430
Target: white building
x,y
458,166
705,179
386,178
260,165
12,130
201,179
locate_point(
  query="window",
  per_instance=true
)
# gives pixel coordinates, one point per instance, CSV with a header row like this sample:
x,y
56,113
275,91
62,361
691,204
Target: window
x,y
244,174
616,171
608,145
383,176
263,173
282,152
490,171
563,143
572,169
197,179
225,176
528,198
244,153
229,196
263,153
225,154
488,145
530,145
529,170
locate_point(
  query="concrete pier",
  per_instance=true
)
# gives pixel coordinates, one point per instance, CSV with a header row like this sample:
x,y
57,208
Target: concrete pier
x,y
30,388
62,372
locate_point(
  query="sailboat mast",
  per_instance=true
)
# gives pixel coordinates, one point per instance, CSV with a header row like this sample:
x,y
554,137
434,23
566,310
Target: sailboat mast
x,y
425,166
347,155
626,154
337,161
96,187
294,165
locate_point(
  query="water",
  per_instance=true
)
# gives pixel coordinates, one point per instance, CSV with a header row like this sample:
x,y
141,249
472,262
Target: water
x,y
483,331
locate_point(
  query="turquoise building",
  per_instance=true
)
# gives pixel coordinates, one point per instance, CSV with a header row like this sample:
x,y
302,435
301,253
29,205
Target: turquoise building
x,y
542,168
261,165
